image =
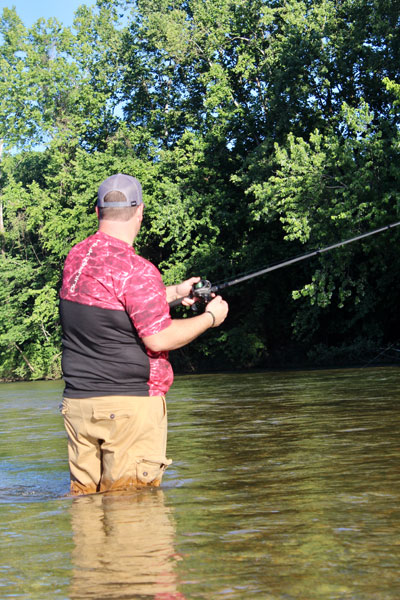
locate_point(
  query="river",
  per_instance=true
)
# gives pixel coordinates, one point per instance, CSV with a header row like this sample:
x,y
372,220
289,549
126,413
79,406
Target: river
x,y
284,486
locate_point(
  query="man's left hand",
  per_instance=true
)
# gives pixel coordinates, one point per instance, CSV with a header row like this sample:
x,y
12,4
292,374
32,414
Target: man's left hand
x,y
184,289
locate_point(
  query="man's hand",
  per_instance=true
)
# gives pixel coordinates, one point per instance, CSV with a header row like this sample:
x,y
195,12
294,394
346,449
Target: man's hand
x,y
218,308
182,290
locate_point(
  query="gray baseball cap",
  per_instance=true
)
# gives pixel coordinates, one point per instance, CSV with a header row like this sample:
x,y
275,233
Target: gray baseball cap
x,y
125,184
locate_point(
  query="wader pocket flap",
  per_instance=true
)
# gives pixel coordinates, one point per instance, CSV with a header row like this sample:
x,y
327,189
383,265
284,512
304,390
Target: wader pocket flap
x,y
100,414
149,470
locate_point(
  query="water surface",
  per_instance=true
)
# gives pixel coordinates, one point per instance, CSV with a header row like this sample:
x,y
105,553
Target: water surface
x,y
283,486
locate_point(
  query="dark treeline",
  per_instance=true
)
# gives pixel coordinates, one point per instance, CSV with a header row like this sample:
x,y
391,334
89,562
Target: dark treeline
x,y
260,129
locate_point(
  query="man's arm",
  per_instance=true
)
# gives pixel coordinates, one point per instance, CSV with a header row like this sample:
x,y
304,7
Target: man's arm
x,y
183,331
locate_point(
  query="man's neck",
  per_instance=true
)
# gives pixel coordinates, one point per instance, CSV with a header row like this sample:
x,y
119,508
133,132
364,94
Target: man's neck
x,y
121,231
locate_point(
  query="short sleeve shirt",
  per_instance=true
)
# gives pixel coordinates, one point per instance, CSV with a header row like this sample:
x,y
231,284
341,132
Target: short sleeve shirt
x,y
110,299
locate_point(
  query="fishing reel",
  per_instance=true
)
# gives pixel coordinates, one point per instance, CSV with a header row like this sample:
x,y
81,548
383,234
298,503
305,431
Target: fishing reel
x,y
202,291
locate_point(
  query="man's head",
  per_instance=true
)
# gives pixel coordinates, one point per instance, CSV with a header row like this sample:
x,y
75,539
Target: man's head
x,y
118,198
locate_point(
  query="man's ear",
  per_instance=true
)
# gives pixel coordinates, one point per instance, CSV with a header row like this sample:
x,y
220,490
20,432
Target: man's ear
x,y
96,208
139,212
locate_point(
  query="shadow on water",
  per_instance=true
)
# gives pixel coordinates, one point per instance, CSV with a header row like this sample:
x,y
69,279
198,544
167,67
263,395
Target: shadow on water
x,y
283,486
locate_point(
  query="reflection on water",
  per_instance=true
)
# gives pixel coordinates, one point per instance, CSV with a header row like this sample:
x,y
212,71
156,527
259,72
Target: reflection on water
x,y
123,544
284,486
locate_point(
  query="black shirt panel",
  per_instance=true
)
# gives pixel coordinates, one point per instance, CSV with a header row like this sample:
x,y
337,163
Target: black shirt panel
x,y
102,353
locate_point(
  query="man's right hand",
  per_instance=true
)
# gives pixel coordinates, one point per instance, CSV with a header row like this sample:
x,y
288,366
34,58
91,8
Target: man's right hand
x,y
219,308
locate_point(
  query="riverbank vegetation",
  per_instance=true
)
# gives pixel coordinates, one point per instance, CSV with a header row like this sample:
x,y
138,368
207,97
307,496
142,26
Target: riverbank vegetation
x,y
260,130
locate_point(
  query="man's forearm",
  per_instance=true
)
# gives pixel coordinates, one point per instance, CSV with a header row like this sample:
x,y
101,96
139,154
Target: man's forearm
x,y
171,293
179,333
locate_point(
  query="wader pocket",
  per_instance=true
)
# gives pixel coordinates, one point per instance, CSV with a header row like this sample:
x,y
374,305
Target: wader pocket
x,y
148,470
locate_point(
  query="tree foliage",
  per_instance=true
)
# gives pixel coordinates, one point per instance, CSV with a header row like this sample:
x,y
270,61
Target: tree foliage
x,y
260,129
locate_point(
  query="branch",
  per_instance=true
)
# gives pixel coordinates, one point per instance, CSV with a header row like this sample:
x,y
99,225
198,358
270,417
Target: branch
x,y
24,357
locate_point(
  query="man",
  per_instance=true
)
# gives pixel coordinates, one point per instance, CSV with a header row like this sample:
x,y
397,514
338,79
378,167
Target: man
x,y
117,331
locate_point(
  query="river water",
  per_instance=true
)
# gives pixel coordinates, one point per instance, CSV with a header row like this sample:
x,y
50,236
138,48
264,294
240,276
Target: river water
x,y
284,486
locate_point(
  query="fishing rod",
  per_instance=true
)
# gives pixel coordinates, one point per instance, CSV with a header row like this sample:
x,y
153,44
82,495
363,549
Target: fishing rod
x,y
204,290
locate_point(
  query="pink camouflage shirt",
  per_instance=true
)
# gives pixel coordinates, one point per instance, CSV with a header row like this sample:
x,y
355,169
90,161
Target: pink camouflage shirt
x,y
110,299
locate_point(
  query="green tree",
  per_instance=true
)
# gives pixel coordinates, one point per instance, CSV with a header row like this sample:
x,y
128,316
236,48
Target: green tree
x,y
62,86
259,129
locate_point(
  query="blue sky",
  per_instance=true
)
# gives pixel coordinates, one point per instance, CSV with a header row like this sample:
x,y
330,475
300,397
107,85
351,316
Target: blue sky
x,y
30,11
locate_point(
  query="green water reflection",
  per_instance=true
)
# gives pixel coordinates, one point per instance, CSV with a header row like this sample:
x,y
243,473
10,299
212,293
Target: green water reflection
x,y
283,486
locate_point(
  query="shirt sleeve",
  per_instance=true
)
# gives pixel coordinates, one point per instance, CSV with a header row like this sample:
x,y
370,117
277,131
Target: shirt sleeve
x,y
145,299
